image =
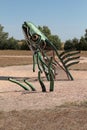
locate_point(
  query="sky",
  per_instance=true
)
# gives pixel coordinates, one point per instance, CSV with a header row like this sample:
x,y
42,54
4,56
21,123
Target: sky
x,y
65,18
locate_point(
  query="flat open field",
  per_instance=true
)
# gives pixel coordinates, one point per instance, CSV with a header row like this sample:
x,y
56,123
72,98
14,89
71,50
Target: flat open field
x,y
63,109
10,58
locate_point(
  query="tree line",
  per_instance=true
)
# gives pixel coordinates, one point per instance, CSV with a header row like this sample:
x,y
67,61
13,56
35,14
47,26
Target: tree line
x,y
13,44
77,44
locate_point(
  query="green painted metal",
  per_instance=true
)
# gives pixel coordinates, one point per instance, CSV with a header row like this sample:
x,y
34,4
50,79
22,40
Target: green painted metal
x,y
37,42
31,86
51,75
34,38
64,66
68,54
71,59
22,85
41,82
19,83
69,51
68,59
70,64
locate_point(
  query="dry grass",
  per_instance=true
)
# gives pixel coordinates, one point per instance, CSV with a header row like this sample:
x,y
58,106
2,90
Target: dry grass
x,y
20,52
15,57
80,66
10,61
12,57
84,53
15,52
74,104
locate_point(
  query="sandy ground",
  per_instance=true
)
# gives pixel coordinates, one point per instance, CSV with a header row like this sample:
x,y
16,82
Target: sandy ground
x,y
22,110
13,97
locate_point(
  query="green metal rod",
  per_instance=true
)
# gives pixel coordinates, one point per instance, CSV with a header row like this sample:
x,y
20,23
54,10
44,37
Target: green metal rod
x,y
44,66
34,62
17,82
61,60
38,63
31,86
51,76
41,83
69,54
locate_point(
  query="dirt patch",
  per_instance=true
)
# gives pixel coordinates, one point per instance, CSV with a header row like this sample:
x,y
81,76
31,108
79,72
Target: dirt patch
x,y
22,110
68,118
16,60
